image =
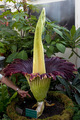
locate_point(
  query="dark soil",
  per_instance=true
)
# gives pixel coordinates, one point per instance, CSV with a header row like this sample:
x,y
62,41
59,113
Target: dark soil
x,y
48,111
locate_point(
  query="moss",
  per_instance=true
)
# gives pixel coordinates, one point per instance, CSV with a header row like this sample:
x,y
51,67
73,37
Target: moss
x,y
55,117
66,114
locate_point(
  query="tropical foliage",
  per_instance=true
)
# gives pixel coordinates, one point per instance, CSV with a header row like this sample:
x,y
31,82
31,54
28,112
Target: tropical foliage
x,y
4,98
72,87
19,27
58,38
17,35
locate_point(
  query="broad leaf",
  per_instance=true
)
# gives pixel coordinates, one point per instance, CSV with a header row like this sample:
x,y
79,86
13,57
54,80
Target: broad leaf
x,y
49,52
14,48
67,36
4,97
73,30
11,57
77,97
77,88
60,47
77,34
76,80
63,82
1,44
22,55
58,32
47,38
27,44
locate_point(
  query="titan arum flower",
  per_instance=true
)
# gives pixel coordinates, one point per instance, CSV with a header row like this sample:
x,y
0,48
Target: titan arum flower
x,y
40,69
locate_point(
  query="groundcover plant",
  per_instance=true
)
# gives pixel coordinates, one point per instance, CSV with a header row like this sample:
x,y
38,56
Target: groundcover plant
x,y
40,69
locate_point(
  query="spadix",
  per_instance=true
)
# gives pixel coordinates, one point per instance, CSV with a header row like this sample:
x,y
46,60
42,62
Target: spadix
x,y
38,53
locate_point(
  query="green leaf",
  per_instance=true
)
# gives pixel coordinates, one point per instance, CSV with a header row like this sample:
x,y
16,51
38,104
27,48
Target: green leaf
x,y
11,1
11,57
62,81
78,46
77,34
71,55
4,97
60,47
58,32
13,96
77,88
63,42
28,44
1,106
51,48
14,48
76,80
2,50
50,51
67,36
1,44
47,38
53,43
5,117
27,28
77,97
22,55
76,116
73,30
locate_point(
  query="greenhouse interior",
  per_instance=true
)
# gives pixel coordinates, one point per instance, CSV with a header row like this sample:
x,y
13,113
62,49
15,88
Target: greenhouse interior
x,y
39,59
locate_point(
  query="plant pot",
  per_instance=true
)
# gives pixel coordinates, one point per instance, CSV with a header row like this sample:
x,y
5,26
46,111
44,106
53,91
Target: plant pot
x,y
2,58
66,114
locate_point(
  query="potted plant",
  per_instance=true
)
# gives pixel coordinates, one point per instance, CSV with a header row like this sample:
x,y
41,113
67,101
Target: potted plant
x,y
40,69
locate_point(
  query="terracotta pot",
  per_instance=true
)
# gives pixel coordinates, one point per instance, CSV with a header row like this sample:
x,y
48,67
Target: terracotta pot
x,y
66,114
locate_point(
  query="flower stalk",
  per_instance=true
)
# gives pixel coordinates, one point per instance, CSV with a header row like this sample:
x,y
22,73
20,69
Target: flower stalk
x,y
40,108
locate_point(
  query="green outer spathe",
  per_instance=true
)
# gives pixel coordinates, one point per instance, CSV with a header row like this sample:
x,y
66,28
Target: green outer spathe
x,y
39,87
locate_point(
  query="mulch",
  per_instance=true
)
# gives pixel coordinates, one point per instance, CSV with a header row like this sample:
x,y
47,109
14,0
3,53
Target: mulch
x,y
48,111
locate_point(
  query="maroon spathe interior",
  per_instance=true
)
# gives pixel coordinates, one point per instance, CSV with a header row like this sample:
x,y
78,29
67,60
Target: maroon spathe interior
x,y
54,66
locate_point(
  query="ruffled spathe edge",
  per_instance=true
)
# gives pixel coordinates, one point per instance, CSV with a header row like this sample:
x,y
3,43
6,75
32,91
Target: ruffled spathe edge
x,y
54,66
